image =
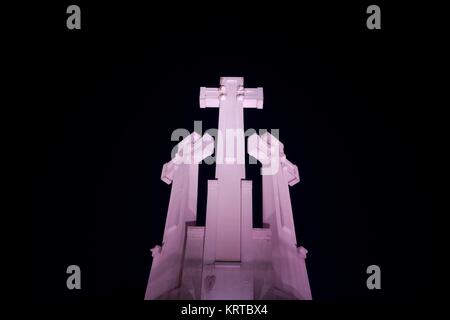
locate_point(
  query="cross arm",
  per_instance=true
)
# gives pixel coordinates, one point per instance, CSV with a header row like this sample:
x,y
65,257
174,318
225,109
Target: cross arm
x,y
209,97
270,152
252,98
191,150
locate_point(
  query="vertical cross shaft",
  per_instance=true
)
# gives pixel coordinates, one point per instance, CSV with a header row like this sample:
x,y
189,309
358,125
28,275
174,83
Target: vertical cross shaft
x,y
231,98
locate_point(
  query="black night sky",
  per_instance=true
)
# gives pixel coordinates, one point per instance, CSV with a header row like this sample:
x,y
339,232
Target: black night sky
x,y
339,93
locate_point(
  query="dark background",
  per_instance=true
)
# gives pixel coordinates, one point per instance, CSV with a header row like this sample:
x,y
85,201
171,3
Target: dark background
x,y
344,98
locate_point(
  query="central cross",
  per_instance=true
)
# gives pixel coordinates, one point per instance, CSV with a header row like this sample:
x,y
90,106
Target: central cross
x,y
231,98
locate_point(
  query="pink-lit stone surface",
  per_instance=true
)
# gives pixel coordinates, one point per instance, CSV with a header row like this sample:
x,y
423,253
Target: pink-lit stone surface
x,y
228,258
